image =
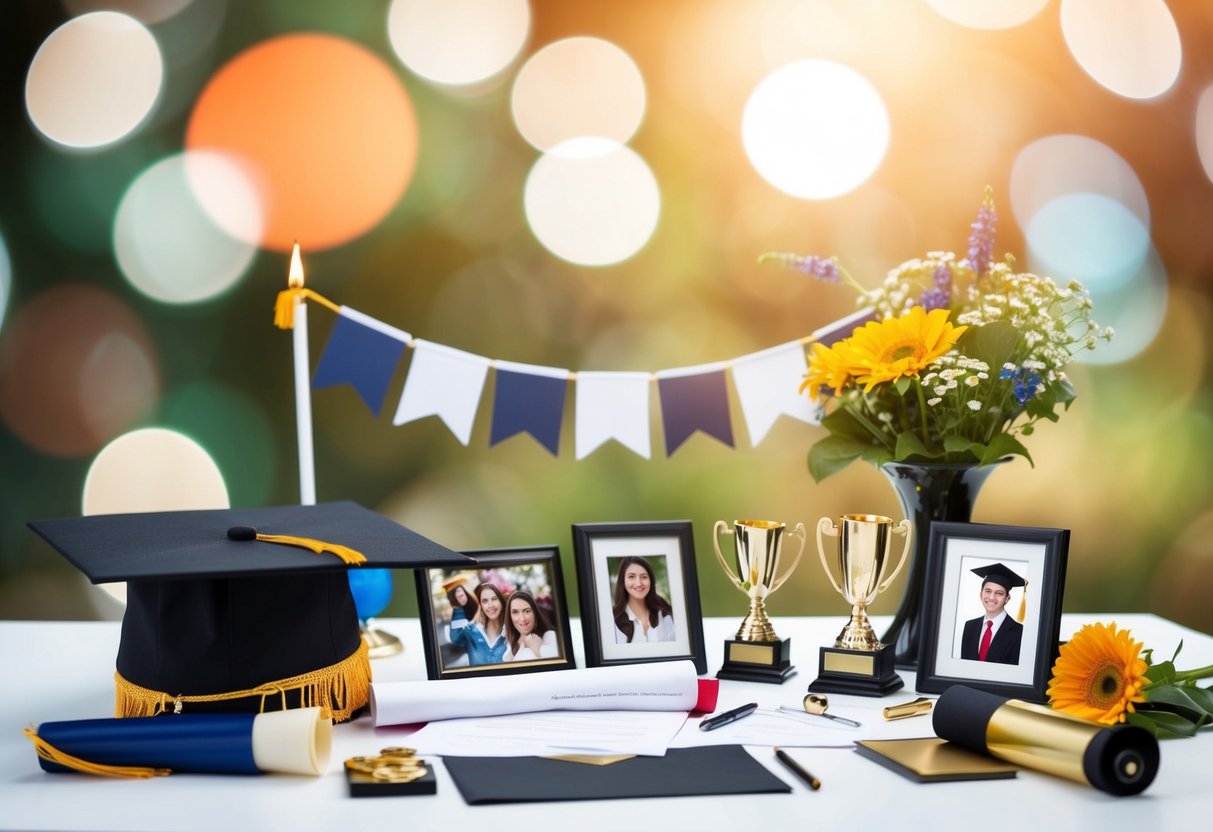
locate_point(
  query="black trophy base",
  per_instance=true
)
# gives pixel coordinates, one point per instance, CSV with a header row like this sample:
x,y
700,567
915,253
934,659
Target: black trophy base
x,y
857,672
757,661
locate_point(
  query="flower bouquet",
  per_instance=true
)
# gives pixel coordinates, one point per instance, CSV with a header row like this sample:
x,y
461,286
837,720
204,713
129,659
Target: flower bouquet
x,y
1103,675
963,358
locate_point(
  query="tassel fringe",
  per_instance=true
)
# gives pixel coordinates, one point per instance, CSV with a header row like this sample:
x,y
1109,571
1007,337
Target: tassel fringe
x,y
51,754
1023,603
338,690
284,306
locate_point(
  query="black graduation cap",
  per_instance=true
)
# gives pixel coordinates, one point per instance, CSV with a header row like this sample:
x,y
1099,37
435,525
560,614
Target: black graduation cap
x,y
1000,574
241,609
1005,577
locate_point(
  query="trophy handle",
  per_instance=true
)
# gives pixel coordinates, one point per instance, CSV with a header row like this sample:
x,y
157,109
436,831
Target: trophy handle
x,y
796,532
826,525
720,524
901,528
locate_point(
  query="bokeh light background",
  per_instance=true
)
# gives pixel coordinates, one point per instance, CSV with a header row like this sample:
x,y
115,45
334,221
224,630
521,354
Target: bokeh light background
x,y
587,185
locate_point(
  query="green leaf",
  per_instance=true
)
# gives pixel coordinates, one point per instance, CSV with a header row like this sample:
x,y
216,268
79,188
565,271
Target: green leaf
x,y
1178,647
994,343
903,384
1162,724
1162,673
832,454
1201,696
1002,445
909,446
842,422
954,444
1177,697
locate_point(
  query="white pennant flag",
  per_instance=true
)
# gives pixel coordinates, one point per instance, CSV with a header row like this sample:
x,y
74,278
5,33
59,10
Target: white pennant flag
x,y
612,406
768,384
443,382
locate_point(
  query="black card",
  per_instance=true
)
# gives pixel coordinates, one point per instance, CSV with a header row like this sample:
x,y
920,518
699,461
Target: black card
x,y
712,770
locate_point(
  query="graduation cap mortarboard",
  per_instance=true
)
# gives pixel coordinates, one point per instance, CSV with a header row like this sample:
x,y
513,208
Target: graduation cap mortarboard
x,y
221,617
1005,577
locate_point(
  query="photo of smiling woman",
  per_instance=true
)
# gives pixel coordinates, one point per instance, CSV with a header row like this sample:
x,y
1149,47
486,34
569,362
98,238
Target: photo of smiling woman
x,y
484,636
529,635
641,614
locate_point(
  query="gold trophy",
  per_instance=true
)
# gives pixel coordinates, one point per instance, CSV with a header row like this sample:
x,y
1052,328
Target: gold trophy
x,y
858,663
757,654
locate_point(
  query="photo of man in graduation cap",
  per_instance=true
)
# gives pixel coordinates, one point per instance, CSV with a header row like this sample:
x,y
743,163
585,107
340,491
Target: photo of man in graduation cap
x,y
995,636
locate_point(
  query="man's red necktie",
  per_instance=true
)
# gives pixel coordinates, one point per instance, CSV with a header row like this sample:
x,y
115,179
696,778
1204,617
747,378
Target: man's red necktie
x,y
986,638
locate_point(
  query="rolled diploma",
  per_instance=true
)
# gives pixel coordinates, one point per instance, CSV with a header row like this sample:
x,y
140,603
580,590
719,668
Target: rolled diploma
x,y
291,742
654,686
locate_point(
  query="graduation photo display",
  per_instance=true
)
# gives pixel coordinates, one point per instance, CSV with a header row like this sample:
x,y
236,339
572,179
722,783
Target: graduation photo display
x,y
507,614
992,611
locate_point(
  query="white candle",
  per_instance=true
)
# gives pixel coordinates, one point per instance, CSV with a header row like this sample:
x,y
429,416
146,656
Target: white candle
x,y
303,397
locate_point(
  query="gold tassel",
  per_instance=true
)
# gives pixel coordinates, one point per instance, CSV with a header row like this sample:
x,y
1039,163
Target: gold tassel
x,y
51,754
351,556
1023,603
284,306
338,690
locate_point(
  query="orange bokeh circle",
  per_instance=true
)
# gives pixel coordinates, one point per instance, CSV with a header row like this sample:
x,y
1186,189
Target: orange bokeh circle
x,y
323,129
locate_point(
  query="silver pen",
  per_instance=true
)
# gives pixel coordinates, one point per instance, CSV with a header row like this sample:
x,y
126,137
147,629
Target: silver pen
x,y
841,719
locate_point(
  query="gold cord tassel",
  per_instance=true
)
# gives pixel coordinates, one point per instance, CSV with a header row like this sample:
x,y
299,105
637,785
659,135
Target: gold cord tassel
x,y
347,555
51,754
284,306
1023,603
338,690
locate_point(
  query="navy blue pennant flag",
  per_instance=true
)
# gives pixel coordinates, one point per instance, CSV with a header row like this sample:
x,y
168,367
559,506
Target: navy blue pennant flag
x,y
692,401
361,352
529,400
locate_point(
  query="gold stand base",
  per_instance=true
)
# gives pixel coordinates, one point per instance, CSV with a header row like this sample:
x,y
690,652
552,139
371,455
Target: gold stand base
x,y
381,644
857,672
757,661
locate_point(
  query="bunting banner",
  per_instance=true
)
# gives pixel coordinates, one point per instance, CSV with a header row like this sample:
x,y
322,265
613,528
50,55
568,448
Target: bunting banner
x,y
612,406
361,352
694,398
768,386
449,383
443,382
530,400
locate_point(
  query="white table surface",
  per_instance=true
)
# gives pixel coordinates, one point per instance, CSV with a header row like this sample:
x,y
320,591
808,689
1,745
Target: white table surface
x,y
63,670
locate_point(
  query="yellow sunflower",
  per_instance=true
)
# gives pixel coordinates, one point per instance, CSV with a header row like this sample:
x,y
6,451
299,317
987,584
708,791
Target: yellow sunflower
x,y
895,347
827,368
1098,675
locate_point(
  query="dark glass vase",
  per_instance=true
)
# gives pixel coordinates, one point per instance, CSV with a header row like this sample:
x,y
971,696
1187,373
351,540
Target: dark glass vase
x,y
927,492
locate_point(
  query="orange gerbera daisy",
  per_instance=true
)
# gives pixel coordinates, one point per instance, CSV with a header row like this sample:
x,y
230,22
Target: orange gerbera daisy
x,y
896,347
1099,675
827,368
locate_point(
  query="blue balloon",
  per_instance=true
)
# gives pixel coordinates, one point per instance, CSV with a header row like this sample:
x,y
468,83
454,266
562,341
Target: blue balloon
x,y
372,589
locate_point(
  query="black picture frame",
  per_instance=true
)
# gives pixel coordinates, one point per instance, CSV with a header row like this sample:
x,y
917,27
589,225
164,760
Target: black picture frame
x,y
952,601
531,569
668,547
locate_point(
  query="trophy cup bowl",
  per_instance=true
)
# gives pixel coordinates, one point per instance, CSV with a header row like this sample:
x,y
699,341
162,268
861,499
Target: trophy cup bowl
x,y
757,653
858,663
863,559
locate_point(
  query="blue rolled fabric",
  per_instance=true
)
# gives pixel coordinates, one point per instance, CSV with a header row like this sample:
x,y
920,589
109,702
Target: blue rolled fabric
x,y
200,743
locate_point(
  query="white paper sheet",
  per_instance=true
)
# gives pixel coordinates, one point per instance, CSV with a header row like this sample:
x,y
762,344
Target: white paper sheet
x,y
554,732
658,686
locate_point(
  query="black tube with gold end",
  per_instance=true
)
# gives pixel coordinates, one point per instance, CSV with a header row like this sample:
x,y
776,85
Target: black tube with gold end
x,y
1119,759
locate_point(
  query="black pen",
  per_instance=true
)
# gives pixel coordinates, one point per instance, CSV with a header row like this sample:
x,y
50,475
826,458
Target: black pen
x,y
712,723
787,760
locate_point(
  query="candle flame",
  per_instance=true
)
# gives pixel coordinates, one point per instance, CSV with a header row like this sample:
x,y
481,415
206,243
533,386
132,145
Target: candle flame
x,y
295,276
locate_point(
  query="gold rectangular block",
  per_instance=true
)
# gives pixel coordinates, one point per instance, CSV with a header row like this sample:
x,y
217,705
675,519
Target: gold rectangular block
x,y
752,653
849,663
